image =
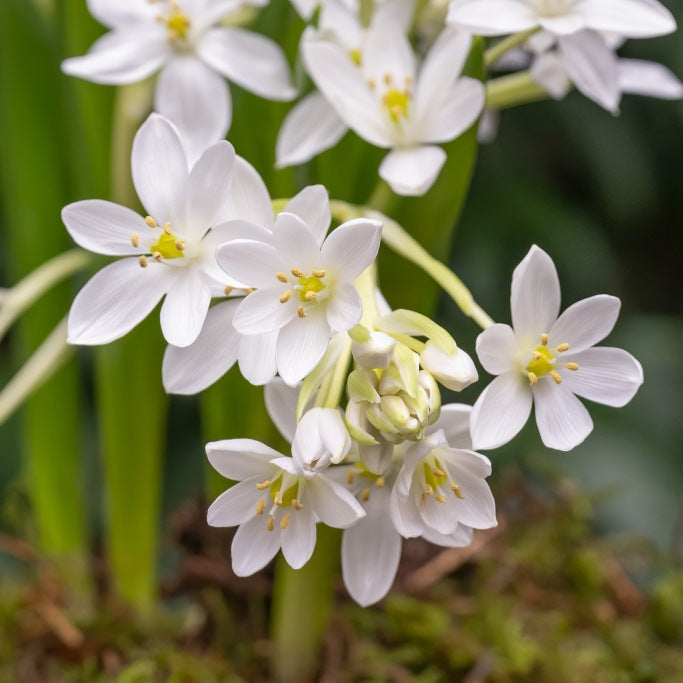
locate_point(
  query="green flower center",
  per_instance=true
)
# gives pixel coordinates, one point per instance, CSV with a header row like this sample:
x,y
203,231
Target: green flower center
x,y
543,362
309,287
167,247
396,102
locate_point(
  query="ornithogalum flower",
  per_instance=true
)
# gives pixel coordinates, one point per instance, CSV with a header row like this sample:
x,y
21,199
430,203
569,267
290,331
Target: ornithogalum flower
x,y
280,499
171,250
303,281
181,40
549,361
392,104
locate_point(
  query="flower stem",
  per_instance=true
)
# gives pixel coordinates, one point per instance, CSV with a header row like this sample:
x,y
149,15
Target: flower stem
x,y
513,90
502,47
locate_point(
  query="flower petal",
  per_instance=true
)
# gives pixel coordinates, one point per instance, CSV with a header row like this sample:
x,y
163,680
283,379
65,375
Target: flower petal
x,y
371,550
405,515
312,206
257,357
262,312
252,262
454,420
492,17
501,411
160,171
497,348
605,375
113,13
310,128
253,546
197,100
236,505
585,323
241,459
251,60
563,421
639,77
249,198
351,248
301,344
629,18
193,368
412,171
185,307
295,243
460,538
535,296
333,504
281,405
115,300
344,309
103,227
298,538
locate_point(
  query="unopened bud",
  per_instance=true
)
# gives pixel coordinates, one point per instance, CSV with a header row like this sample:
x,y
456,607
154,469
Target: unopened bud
x,y
455,371
374,353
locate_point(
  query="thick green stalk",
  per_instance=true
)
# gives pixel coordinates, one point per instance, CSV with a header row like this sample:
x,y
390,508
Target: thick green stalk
x,y
132,407
33,188
513,90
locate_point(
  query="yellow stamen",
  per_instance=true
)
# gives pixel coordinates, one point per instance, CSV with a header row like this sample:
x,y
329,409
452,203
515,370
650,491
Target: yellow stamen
x,y
263,485
300,312
167,228
260,506
572,366
270,524
135,239
456,489
437,472
285,297
228,290
143,262
532,378
356,57
365,495
563,347
380,483
350,476
297,505
298,273
429,490
157,255
284,522
179,245
309,296
387,78
544,339
440,499
318,273
372,83
151,222
282,277
556,376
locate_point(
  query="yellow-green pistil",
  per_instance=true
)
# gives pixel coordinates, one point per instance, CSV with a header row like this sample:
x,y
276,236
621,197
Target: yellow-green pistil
x,y
307,286
167,246
543,362
436,477
282,499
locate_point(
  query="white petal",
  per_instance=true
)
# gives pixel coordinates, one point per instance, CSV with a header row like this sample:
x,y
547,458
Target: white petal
x,y
629,18
236,505
344,309
333,504
113,13
371,550
585,323
460,538
251,60
454,420
295,243
312,205
241,459
413,170
563,421
563,24
185,307
345,88
253,546
262,312
535,296
252,262
492,17
298,539
281,405
501,411
388,51
257,357
455,371
301,344
197,100
249,198
321,435
497,348
310,128
192,369
477,507
592,67
115,300
352,247
405,515
103,227
549,71
605,375
639,77
122,56
160,171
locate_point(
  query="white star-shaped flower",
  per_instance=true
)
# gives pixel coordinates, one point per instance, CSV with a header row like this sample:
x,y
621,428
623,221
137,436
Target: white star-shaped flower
x,y
181,40
548,361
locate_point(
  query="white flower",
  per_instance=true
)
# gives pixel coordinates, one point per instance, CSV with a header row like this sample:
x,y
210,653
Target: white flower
x,y
314,125
392,105
630,18
549,361
304,282
193,368
454,370
180,39
279,499
371,549
172,249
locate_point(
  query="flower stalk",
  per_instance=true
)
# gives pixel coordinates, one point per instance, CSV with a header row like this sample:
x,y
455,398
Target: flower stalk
x,y
513,90
493,54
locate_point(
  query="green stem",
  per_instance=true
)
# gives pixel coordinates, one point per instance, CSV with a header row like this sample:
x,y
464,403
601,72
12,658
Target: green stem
x,y
502,47
513,90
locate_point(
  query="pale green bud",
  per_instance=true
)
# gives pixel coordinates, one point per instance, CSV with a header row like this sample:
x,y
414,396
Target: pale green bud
x,y
375,352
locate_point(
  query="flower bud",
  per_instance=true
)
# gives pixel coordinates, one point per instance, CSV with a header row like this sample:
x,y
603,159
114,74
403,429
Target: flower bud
x,y
455,371
374,353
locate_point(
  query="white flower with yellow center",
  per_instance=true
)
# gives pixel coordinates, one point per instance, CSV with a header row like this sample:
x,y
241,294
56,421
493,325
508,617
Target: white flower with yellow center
x,y
180,39
303,282
172,249
549,361
279,500
392,104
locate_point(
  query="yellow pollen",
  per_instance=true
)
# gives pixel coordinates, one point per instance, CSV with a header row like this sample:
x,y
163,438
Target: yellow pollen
x,y
135,239
178,24
563,347
544,339
151,222
166,246
270,524
249,290
278,499
143,262
372,83
300,312
396,102
572,366
179,245
309,295
228,290
285,297
157,255
281,277
297,505
380,483
429,490
532,378
440,498
387,78
541,361
263,485
437,472
350,477
356,57
309,286
284,522
456,489
167,228
556,376
318,273
260,506
365,495
298,273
